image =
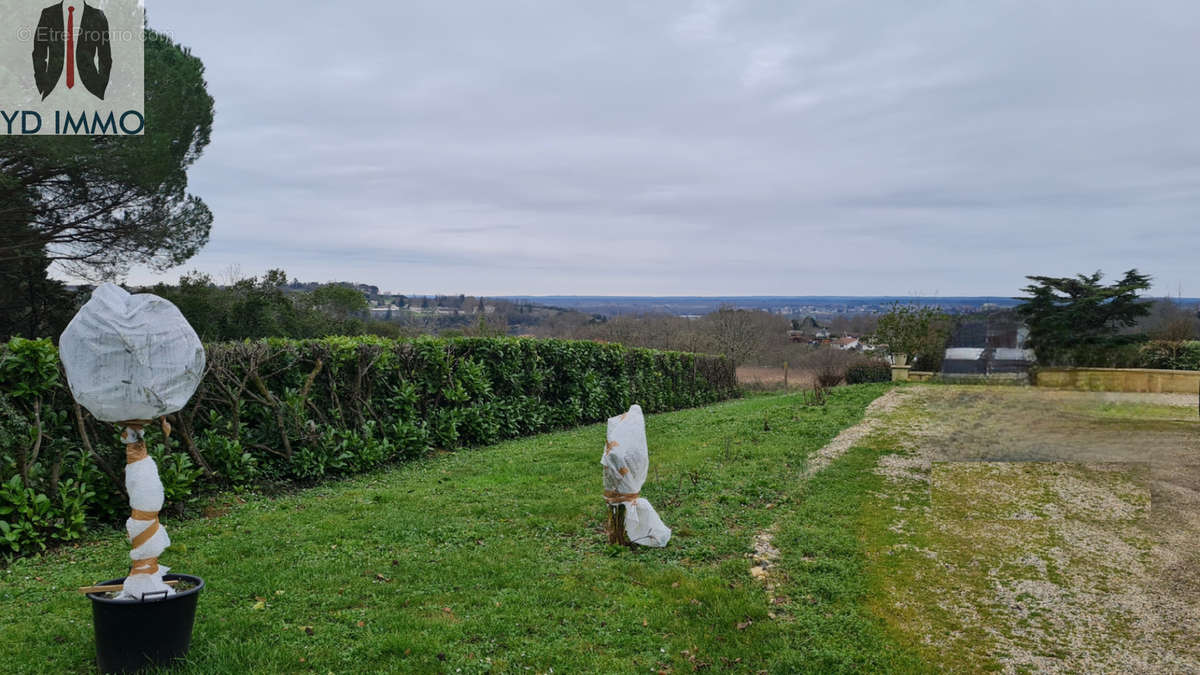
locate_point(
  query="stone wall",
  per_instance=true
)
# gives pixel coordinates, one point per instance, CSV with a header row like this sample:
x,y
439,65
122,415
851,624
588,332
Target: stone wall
x,y
1120,379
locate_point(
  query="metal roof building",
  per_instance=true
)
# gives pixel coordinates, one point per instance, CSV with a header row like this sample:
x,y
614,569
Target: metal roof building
x,y
988,344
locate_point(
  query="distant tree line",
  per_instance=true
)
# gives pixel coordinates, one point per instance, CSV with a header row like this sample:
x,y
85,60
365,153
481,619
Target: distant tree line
x,y
746,337
258,307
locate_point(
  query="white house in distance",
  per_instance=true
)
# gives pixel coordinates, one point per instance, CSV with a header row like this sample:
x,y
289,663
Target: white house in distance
x,y
847,344
385,311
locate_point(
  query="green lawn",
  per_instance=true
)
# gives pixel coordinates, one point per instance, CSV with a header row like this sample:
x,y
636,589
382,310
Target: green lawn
x,y
493,560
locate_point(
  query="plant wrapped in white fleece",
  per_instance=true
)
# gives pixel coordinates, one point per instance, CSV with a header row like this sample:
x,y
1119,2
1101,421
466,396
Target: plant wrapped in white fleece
x,y
146,535
128,359
626,462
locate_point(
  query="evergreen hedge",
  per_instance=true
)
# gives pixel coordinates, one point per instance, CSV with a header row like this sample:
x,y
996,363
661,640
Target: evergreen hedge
x,y
1170,355
1135,352
280,411
874,370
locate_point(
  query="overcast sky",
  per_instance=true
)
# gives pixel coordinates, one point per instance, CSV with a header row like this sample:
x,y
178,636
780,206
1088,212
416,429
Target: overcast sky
x,y
698,148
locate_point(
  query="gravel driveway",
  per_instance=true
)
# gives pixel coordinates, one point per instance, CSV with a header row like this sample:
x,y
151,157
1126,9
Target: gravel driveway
x,y
1042,530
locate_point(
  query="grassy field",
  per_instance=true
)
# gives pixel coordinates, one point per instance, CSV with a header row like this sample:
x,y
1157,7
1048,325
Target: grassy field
x,y
494,560
770,378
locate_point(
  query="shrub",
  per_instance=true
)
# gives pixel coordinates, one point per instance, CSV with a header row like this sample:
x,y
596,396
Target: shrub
x,y
1134,352
828,366
280,410
228,461
918,331
869,371
1170,355
1125,354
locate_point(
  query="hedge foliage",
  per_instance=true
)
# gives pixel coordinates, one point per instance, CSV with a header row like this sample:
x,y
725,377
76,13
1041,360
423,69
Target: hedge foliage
x,y
1170,355
1159,354
279,411
869,371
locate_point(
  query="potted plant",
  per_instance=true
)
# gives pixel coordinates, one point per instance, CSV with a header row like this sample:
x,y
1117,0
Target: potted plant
x,y
130,359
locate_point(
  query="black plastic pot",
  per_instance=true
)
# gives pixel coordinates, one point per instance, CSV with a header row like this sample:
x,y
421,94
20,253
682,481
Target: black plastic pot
x,y
132,634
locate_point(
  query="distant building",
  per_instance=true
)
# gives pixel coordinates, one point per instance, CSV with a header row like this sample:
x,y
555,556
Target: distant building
x,y
847,344
383,312
988,344
810,336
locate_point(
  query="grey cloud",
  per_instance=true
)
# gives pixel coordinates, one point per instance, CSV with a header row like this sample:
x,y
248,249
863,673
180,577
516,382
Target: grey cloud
x,y
714,147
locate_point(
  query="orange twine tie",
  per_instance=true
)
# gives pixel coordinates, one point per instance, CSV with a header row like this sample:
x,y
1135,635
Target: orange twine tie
x,y
147,566
613,498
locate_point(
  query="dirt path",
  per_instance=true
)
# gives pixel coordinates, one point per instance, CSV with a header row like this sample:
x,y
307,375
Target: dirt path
x,y
765,555
1043,530
872,420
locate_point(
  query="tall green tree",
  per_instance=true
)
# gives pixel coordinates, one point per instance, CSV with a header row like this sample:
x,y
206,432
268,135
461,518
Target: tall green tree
x,y
917,331
1067,314
339,301
98,204
248,308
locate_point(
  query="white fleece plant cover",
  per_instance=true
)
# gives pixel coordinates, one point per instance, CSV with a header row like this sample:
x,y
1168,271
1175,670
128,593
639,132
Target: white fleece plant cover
x,y
626,462
130,357
145,494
